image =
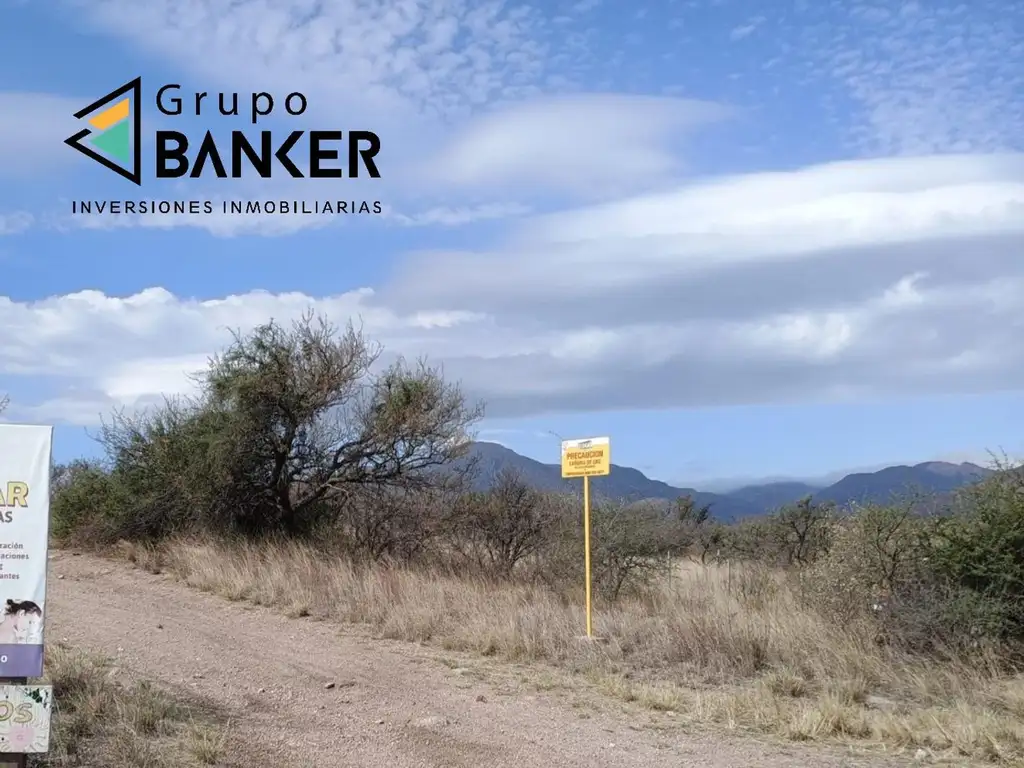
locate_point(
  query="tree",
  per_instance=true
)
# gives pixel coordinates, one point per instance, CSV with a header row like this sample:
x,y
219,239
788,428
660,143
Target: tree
x,y
628,546
686,524
689,513
4,402
313,422
506,525
384,523
802,530
709,542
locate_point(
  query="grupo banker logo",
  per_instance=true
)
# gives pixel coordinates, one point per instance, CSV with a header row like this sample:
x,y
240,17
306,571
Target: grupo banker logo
x,y
114,135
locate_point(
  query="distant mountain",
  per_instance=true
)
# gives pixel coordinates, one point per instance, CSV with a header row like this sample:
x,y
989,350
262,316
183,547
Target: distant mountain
x,y
773,495
623,482
933,477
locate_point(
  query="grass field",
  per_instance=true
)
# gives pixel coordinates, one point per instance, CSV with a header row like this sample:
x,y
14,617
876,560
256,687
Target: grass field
x,y
730,646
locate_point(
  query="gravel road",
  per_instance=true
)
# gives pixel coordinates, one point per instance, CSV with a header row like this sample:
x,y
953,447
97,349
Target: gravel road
x,y
391,705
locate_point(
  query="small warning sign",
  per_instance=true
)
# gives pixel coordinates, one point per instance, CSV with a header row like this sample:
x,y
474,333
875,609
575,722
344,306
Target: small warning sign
x,y
586,458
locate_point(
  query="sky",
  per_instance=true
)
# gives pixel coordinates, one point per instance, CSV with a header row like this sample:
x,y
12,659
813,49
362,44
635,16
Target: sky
x,y
744,240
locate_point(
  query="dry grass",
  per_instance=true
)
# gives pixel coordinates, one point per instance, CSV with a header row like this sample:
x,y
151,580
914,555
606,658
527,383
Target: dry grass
x,y
733,647
100,720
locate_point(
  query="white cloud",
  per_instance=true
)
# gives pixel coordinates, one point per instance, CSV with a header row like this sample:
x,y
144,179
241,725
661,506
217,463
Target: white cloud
x,y
745,30
584,143
841,281
108,351
447,216
929,77
384,58
705,231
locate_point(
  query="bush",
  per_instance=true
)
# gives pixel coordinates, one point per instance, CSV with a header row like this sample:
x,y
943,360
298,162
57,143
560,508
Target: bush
x,y
506,526
875,553
980,549
796,535
944,585
87,504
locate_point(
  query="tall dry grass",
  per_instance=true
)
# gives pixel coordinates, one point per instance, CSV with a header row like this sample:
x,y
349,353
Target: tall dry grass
x,y
728,645
101,719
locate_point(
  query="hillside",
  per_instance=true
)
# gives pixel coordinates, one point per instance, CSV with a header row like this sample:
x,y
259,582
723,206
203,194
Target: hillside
x,y
772,495
622,483
933,477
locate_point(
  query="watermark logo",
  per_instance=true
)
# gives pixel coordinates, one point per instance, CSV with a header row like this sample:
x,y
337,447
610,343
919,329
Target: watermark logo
x,y
113,136
112,139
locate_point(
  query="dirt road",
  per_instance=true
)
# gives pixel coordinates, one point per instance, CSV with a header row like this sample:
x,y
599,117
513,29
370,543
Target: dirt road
x,y
392,705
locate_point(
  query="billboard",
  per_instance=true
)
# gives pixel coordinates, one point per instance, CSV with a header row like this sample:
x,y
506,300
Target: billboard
x,y
24,539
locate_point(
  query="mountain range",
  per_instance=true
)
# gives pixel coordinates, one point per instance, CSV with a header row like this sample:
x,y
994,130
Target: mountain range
x,y
932,477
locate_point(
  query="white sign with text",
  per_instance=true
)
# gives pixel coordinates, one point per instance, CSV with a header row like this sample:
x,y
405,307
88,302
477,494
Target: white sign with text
x,y
24,540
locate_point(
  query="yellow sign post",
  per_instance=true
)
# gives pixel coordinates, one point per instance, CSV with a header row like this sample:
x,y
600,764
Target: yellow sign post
x,y
586,458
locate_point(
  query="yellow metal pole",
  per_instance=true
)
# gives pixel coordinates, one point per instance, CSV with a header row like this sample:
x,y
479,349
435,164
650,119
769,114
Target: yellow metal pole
x,y
586,548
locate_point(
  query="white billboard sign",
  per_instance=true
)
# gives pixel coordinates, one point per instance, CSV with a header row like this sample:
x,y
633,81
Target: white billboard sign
x,y
24,539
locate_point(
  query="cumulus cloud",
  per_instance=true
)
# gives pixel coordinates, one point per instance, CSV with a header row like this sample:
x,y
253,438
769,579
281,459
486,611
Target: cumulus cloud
x,y
109,351
833,282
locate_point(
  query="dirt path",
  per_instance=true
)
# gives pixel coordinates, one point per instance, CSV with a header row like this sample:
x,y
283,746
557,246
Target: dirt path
x,y
393,705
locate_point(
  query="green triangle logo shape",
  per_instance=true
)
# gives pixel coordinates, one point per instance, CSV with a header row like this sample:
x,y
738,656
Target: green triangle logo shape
x,y
116,142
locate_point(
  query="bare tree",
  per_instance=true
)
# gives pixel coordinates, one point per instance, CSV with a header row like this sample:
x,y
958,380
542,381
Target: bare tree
x,y
628,546
382,522
802,530
506,525
709,542
4,402
687,523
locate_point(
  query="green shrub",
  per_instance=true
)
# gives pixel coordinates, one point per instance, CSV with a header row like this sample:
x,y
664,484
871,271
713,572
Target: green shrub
x,y
980,549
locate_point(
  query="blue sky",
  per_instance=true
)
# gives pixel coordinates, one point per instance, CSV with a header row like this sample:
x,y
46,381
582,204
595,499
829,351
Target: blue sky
x,y
744,240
